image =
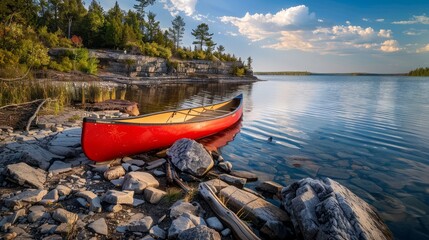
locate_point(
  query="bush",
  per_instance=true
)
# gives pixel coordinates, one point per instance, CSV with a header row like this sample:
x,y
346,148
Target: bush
x,y
65,65
199,55
238,71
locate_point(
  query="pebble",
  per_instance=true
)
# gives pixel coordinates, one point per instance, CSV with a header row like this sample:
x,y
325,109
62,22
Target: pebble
x,y
226,232
215,223
158,232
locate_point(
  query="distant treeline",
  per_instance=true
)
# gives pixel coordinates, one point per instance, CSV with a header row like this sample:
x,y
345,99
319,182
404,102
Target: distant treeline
x,y
419,72
283,73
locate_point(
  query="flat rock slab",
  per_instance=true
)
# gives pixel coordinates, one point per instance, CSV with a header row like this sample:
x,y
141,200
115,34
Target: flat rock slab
x,y
99,226
191,157
181,207
253,208
179,225
23,174
59,167
141,225
233,180
324,209
70,137
118,197
216,184
22,199
251,177
64,216
34,154
63,151
153,195
269,187
138,181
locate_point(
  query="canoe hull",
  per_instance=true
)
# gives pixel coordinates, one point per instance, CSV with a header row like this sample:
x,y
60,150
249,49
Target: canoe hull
x,y
103,141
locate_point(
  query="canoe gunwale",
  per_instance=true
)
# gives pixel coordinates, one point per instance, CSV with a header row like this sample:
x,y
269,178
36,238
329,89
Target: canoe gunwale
x,y
116,121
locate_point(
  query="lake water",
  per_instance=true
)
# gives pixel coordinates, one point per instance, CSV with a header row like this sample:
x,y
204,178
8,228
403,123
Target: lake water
x,y
369,133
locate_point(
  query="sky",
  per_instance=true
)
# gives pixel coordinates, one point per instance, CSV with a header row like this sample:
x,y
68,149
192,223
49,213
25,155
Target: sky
x,y
372,36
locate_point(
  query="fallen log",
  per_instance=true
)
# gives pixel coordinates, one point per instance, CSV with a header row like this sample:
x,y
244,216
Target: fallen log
x,y
20,116
238,227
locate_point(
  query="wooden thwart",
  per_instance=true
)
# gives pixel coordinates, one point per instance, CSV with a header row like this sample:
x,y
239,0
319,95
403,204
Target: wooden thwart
x,y
238,227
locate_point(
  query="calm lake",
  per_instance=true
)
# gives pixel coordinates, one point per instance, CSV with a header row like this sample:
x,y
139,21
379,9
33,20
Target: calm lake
x,y
369,133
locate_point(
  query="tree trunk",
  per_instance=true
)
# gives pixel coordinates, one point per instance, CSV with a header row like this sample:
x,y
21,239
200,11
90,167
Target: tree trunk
x,y
70,23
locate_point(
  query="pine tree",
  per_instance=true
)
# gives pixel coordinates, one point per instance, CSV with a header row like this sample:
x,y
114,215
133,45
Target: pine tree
x,y
202,36
152,27
177,30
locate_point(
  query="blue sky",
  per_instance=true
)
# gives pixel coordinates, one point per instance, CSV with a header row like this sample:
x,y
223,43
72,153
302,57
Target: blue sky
x,y
318,36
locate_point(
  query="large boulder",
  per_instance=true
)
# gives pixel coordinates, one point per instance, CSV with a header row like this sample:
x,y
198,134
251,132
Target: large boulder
x,y
191,157
324,209
23,174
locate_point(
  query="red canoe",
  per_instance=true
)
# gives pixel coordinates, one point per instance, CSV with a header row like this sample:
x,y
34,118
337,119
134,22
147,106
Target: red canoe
x,y
107,139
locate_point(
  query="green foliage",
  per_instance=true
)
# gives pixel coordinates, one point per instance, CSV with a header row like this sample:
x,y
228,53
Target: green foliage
x,y
177,30
238,71
64,65
184,54
150,49
199,55
203,37
419,72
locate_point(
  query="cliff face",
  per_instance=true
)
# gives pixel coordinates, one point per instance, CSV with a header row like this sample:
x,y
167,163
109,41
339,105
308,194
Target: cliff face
x,y
144,66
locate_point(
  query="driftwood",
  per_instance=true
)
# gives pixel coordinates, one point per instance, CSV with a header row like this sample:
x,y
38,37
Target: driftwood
x,y
20,116
168,172
27,128
179,181
115,104
238,227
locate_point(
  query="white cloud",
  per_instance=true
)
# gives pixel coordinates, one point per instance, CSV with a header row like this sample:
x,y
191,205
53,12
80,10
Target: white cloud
x,y
232,34
320,20
379,20
365,19
423,19
385,33
296,28
390,46
260,26
423,49
414,32
177,6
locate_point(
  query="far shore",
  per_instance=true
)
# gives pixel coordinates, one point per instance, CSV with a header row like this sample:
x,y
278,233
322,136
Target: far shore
x,y
297,73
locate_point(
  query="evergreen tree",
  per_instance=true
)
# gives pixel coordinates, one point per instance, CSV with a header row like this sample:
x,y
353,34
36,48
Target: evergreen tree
x,y
152,27
140,8
93,23
113,28
72,11
177,30
220,49
249,62
202,36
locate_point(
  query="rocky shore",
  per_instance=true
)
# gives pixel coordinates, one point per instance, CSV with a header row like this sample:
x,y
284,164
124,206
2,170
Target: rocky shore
x,y
50,190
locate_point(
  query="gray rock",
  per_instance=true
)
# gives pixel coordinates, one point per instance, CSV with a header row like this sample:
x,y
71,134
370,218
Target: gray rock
x,y
235,181
137,202
47,228
225,166
126,166
59,167
51,197
136,162
34,154
226,232
180,207
17,214
199,233
158,232
118,197
117,182
92,199
191,157
251,177
64,216
99,226
101,168
37,208
179,225
63,228
82,202
22,199
63,190
159,173
324,209
138,181
195,220
133,168
275,230
270,187
37,216
23,174
153,195
142,225
70,137
114,208
215,223
63,151
114,173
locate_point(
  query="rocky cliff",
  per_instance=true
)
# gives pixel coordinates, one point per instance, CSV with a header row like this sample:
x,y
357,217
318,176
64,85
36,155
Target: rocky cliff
x,y
144,66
